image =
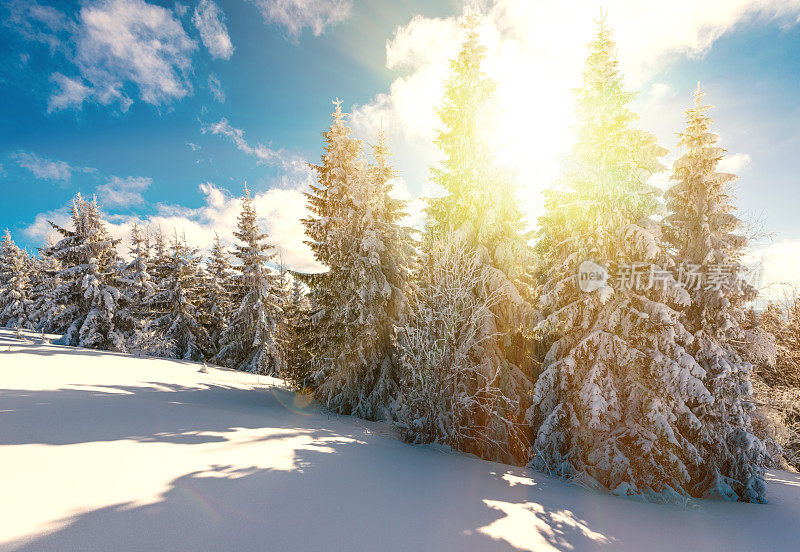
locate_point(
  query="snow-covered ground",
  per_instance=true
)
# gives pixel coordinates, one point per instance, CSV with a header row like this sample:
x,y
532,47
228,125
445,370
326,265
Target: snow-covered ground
x,y
107,452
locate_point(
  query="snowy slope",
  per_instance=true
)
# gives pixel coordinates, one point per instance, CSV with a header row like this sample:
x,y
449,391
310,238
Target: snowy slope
x,y
100,451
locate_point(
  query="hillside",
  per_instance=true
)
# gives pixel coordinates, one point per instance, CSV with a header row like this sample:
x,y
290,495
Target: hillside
x,y
104,451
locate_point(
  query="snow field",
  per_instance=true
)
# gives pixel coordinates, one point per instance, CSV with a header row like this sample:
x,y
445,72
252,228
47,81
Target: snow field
x,y
104,451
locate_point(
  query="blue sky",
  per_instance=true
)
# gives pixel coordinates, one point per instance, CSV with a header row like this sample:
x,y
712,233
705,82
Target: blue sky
x,y
164,109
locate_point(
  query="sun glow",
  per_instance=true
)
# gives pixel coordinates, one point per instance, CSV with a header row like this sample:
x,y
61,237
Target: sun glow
x,y
531,131
531,125
528,123
535,52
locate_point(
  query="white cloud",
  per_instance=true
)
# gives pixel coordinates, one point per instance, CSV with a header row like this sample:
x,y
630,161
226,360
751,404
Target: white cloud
x,y
192,146
118,43
296,170
40,229
70,92
279,213
181,9
295,15
216,88
47,169
421,41
425,47
224,128
2,171
124,192
733,163
535,52
210,22
660,90
39,23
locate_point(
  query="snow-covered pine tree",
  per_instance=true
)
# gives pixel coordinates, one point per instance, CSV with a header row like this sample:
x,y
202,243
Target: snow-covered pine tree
x,y
293,331
148,338
7,253
251,341
341,160
447,384
400,253
702,228
779,385
479,207
354,231
44,283
782,322
299,335
158,267
613,404
135,275
218,307
174,307
16,272
759,346
94,308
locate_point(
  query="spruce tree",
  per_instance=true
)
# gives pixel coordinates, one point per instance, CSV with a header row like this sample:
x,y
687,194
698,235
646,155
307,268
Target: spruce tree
x,y
782,322
43,284
148,337
135,275
299,336
282,285
218,306
93,307
702,227
479,209
614,403
159,259
354,231
448,389
341,162
174,307
251,341
16,272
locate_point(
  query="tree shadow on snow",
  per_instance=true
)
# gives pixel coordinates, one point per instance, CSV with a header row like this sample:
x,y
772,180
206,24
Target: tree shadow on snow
x,y
346,498
173,413
347,488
